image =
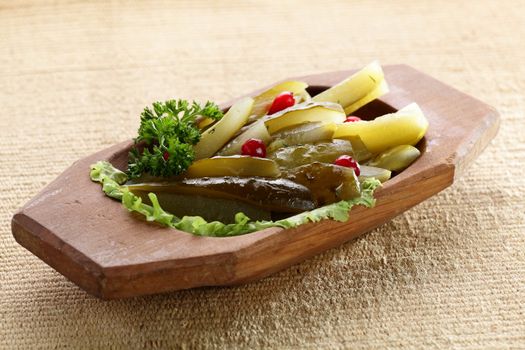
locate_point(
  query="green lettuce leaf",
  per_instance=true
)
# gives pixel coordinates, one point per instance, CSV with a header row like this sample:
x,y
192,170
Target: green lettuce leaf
x,y
103,169
113,180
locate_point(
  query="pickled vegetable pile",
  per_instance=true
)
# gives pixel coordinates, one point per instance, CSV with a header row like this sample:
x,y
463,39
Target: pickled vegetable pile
x,y
282,158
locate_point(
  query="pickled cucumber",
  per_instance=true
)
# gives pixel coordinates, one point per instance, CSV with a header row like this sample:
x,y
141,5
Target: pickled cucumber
x,y
256,131
357,90
304,113
359,149
324,152
243,166
378,173
286,196
216,136
328,183
265,99
396,159
210,209
306,133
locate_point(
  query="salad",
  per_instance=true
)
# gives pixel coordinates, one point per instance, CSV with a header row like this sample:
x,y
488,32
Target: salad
x,y
280,159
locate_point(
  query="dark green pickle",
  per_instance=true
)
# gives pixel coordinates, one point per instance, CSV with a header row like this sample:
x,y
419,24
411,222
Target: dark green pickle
x,y
323,152
226,196
328,183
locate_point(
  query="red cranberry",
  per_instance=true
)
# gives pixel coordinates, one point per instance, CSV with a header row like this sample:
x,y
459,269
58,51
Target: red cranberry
x,y
352,118
282,101
348,162
254,148
166,155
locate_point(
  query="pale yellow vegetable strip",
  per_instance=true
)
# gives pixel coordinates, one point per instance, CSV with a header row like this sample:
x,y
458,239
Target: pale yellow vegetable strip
x,y
256,131
263,101
404,127
233,166
379,91
216,136
205,122
397,158
302,96
377,173
306,133
357,90
326,112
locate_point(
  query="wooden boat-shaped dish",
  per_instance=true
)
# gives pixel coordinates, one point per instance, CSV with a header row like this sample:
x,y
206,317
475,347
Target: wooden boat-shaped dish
x,y
96,243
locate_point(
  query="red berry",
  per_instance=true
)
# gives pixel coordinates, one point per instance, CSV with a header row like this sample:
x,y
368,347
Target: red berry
x,y
282,101
352,118
348,162
254,148
166,155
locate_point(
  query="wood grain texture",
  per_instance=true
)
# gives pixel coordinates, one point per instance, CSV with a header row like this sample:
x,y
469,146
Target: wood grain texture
x,y
110,253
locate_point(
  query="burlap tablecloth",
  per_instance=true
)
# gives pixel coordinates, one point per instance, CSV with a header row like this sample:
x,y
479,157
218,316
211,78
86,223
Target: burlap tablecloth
x,y
449,273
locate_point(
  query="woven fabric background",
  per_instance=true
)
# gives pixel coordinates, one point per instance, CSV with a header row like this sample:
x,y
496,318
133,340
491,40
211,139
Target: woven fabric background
x,y
449,273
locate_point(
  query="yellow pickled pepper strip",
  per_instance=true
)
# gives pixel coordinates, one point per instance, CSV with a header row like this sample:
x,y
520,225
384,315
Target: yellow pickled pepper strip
x,y
404,127
357,90
263,101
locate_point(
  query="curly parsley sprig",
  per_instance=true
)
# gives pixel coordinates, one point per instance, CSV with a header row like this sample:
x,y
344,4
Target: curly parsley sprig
x,y
168,133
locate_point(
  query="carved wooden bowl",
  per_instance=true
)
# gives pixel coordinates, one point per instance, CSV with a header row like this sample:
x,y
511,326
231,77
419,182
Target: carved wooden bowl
x,y
96,243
